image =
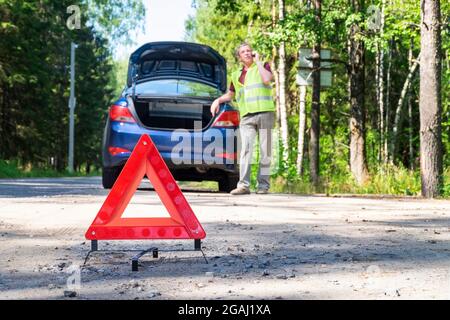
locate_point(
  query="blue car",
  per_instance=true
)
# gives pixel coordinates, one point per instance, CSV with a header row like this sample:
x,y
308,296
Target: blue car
x,y
170,88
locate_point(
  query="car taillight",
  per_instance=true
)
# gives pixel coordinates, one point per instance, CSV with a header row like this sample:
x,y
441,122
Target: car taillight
x,y
119,113
116,150
227,119
226,155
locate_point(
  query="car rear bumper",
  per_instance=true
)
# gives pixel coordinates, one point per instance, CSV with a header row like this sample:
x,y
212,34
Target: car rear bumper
x,y
186,153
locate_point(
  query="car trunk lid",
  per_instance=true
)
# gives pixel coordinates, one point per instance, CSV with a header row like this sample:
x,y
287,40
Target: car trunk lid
x,y
177,60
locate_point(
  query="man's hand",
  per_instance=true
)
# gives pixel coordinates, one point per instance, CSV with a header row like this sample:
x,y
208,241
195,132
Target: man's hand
x,y
215,107
224,98
256,57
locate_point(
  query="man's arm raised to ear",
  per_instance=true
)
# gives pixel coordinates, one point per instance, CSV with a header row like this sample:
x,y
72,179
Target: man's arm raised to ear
x,y
266,75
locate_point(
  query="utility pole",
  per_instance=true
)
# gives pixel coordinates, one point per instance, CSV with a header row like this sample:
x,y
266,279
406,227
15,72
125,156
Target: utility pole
x,y
72,102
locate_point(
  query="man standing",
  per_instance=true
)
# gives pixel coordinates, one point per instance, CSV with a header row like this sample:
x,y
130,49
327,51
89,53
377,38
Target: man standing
x,y
253,91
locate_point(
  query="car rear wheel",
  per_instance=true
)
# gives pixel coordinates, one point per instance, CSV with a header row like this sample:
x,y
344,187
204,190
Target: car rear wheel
x,y
109,176
228,183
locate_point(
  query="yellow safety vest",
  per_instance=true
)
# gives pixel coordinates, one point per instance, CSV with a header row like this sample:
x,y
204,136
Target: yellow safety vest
x,y
252,96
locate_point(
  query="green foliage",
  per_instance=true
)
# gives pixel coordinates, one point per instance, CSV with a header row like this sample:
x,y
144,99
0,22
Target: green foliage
x,y
120,76
34,55
115,20
223,25
390,181
34,78
446,183
445,8
12,169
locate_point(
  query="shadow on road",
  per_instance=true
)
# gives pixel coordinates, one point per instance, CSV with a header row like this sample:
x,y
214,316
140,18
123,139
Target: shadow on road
x,y
49,187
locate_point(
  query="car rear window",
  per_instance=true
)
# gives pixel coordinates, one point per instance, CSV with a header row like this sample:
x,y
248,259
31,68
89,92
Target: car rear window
x,y
176,88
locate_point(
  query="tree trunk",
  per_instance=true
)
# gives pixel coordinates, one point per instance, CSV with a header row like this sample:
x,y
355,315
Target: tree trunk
x,y
3,132
282,83
314,136
410,135
381,87
410,119
377,92
398,111
430,103
356,50
387,104
277,88
382,107
301,129
273,66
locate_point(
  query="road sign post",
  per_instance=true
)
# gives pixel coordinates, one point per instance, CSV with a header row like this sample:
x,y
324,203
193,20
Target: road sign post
x,y
305,70
72,103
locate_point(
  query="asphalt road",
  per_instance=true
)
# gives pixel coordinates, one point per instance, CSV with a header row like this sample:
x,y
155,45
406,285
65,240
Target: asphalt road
x,y
274,246
48,187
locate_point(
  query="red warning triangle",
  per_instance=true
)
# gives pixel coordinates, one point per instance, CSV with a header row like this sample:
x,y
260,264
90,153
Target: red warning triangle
x,y
109,224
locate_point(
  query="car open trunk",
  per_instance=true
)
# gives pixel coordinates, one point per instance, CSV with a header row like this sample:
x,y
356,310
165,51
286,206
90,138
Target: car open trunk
x,y
170,113
178,60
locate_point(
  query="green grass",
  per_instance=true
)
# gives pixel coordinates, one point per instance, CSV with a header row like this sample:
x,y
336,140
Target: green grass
x,y
199,185
12,169
392,180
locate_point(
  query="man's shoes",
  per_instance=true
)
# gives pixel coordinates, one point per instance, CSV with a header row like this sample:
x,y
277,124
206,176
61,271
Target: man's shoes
x,y
239,191
262,191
